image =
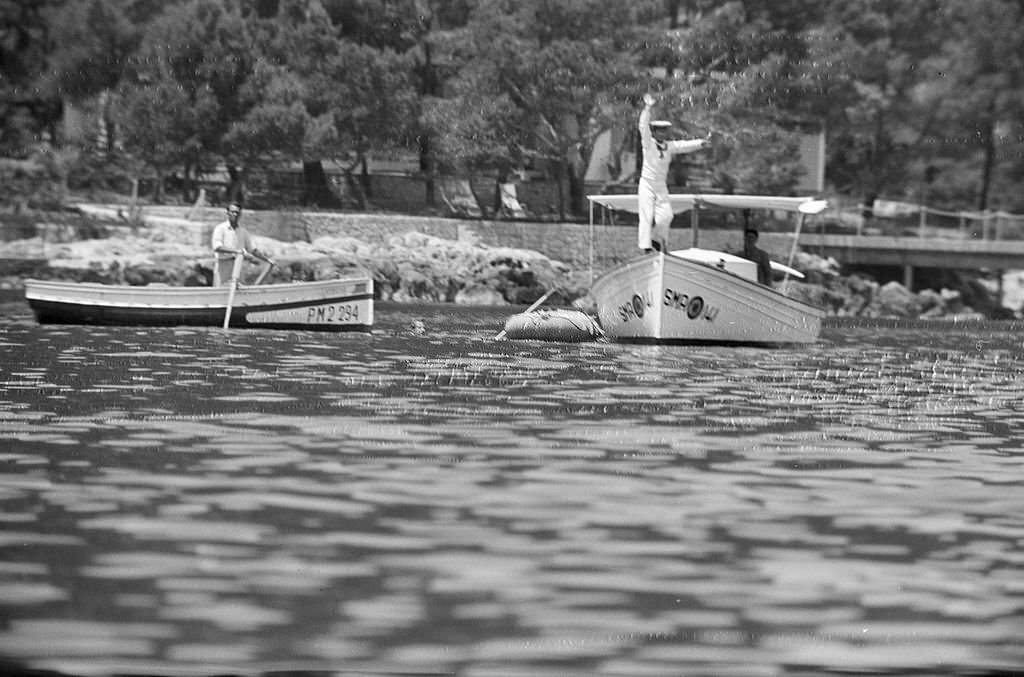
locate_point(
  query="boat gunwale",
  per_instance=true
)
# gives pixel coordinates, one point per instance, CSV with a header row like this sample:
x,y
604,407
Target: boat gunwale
x,y
183,298
159,289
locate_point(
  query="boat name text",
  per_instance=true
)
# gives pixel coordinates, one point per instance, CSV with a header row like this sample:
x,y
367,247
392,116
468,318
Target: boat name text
x,y
693,306
635,307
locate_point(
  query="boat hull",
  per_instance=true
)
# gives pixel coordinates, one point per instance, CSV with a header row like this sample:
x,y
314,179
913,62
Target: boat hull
x,y
329,305
665,298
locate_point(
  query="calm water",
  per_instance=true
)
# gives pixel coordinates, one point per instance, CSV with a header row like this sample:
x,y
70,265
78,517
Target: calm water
x,y
191,501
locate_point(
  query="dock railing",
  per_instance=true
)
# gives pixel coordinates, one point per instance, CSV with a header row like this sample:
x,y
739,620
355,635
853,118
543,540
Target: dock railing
x,y
907,219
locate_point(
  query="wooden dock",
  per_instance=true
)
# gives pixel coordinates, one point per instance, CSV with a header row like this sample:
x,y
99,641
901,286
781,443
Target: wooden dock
x,y
917,252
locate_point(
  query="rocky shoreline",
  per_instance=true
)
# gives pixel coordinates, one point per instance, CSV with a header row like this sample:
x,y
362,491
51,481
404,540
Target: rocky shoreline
x,y
415,267
409,267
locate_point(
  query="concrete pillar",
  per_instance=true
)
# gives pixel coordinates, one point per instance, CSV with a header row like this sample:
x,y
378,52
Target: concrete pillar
x,y
908,277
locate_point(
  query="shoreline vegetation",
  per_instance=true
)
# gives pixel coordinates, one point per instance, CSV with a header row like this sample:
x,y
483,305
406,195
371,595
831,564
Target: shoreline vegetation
x,y
116,246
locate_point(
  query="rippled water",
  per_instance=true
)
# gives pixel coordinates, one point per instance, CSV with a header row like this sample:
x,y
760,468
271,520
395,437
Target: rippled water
x,y
191,501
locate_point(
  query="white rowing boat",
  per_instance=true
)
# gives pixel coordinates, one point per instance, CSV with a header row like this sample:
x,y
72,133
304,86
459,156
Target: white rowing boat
x,y
701,295
330,305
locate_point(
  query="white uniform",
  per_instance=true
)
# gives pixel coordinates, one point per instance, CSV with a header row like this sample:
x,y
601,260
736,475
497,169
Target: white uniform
x,y
655,210
232,238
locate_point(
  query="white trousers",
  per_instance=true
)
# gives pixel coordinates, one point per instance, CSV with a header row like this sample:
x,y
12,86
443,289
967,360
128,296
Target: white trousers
x,y
222,269
655,213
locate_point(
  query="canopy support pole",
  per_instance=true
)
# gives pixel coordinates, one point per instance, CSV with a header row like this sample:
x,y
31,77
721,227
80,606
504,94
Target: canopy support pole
x,y
591,242
792,251
694,225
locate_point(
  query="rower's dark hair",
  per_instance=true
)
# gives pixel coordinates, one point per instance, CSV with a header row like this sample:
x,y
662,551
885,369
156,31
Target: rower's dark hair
x,y
751,229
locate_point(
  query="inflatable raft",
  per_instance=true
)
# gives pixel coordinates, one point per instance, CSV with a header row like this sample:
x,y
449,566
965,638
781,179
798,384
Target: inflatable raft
x,y
568,326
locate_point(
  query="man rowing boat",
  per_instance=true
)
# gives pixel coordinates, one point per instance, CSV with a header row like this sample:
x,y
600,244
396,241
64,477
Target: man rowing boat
x,y
655,209
230,239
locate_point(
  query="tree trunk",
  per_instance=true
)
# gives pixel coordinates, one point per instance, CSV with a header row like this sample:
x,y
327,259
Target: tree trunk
x,y
988,135
355,187
638,153
158,188
188,183
427,168
577,191
868,208
560,185
316,191
236,185
364,178
430,85
672,7
496,207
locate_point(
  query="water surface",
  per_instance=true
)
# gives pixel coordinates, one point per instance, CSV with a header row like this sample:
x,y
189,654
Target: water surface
x,y
194,501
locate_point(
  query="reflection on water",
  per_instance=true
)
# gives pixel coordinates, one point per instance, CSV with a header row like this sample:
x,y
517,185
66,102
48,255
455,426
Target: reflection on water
x,y
190,501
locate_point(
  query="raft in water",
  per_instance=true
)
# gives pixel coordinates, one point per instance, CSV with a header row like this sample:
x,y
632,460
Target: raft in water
x,y
567,326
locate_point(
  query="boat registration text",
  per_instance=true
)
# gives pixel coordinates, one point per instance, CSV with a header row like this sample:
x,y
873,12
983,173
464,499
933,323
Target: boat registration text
x,y
328,313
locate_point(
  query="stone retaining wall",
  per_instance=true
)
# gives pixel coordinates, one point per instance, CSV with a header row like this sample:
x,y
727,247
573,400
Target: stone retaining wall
x,y
569,242
579,245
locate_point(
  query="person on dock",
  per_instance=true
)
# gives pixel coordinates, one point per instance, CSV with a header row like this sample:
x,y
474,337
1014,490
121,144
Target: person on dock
x,y
229,240
752,252
655,208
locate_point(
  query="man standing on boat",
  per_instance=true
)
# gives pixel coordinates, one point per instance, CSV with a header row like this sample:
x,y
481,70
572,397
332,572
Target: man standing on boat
x,y
231,240
655,209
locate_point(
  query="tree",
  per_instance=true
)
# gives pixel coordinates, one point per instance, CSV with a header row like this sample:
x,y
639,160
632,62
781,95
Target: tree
x,y
877,128
365,101
98,40
746,72
274,128
292,42
167,134
476,131
184,89
322,95
976,88
417,30
25,109
565,68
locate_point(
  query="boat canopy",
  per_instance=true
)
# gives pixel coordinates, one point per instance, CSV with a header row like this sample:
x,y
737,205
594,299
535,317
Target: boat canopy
x,y
682,202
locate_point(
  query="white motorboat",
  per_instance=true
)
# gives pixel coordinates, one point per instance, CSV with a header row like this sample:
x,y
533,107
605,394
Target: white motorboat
x,y
701,295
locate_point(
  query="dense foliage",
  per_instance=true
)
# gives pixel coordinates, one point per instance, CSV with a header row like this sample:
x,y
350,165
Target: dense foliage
x,y
916,97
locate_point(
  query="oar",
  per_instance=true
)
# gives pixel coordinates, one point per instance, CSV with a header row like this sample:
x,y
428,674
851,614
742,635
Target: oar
x,y
529,310
266,271
236,271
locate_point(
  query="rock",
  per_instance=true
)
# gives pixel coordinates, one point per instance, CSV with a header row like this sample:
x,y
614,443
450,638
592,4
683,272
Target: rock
x,y
968,315
480,295
892,300
808,264
932,303
412,267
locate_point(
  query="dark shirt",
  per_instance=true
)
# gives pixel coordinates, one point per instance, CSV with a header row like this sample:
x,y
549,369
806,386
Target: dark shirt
x,y
763,261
